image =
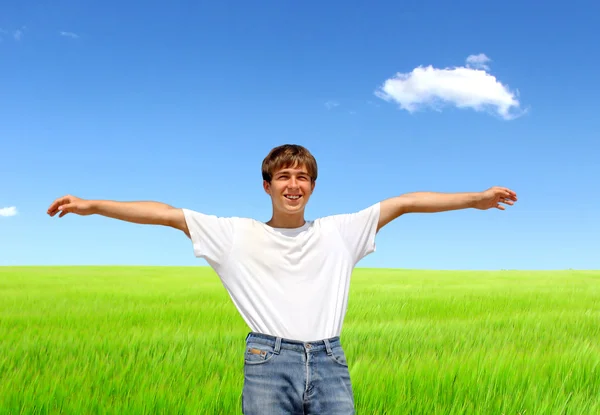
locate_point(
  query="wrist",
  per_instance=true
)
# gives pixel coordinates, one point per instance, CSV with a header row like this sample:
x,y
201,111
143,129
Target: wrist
x,y
94,206
475,199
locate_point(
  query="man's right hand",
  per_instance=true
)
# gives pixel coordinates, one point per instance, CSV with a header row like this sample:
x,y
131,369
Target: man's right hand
x,y
70,204
145,212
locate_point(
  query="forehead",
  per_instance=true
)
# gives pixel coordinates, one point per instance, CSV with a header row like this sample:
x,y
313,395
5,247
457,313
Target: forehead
x,y
297,169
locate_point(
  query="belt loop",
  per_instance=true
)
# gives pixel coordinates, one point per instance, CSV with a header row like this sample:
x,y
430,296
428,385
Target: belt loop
x,y
328,347
277,345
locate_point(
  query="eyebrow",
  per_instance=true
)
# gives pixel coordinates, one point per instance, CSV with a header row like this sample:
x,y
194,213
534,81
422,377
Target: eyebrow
x,y
289,171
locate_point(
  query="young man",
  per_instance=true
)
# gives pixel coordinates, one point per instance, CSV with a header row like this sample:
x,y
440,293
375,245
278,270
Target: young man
x,y
288,277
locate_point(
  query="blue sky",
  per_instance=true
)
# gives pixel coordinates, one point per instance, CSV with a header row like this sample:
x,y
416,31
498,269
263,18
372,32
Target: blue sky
x,y
179,102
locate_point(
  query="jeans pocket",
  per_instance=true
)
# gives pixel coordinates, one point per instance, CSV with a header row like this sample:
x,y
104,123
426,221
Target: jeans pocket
x,y
338,356
258,353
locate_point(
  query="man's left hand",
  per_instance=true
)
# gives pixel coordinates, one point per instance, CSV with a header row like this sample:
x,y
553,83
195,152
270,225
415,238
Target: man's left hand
x,y
494,196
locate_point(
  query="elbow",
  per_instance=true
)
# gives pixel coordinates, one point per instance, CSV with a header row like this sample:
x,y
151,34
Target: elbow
x,y
404,204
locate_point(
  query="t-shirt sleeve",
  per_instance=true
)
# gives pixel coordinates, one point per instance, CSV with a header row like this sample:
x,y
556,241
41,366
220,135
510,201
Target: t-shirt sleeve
x,y
358,230
212,236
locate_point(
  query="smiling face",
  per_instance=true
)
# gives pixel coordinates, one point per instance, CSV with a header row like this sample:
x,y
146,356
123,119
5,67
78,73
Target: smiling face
x,y
290,189
289,174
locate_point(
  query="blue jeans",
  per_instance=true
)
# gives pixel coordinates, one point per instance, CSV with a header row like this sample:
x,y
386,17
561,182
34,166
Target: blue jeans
x,y
289,377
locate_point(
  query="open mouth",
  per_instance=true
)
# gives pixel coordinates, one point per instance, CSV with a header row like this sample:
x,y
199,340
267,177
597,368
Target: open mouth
x,y
293,197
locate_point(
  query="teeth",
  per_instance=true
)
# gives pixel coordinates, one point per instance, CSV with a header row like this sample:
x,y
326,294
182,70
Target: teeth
x,y
292,197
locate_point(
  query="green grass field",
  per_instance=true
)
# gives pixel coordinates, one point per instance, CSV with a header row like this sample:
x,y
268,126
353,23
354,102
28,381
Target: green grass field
x,y
132,340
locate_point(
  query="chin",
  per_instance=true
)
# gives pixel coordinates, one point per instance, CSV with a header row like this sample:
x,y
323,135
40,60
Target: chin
x,y
298,208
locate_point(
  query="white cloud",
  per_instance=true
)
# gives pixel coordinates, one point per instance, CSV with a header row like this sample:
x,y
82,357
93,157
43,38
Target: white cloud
x,y
478,61
70,34
9,211
331,104
463,87
17,34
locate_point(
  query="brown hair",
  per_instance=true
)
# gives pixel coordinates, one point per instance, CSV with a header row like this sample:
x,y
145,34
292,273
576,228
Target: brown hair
x,y
288,155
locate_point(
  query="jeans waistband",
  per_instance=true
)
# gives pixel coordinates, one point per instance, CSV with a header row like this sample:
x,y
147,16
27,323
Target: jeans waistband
x,y
279,343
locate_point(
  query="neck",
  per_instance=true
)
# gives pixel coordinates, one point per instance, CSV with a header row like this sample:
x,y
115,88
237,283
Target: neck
x,y
283,220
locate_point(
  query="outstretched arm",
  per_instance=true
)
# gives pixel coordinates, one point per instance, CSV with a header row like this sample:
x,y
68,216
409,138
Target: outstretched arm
x,y
150,213
431,202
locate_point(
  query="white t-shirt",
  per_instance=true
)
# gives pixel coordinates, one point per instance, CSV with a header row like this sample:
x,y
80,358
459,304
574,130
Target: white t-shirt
x,y
290,283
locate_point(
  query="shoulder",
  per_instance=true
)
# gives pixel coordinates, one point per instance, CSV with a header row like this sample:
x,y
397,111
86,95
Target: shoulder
x,y
202,215
371,210
208,220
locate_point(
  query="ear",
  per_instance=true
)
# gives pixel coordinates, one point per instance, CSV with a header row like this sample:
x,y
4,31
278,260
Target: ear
x,y
313,186
267,187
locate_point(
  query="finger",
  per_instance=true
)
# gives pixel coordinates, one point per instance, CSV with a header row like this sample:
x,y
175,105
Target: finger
x,y
507,201
54,211
63,202
65,209
499,206
54,206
